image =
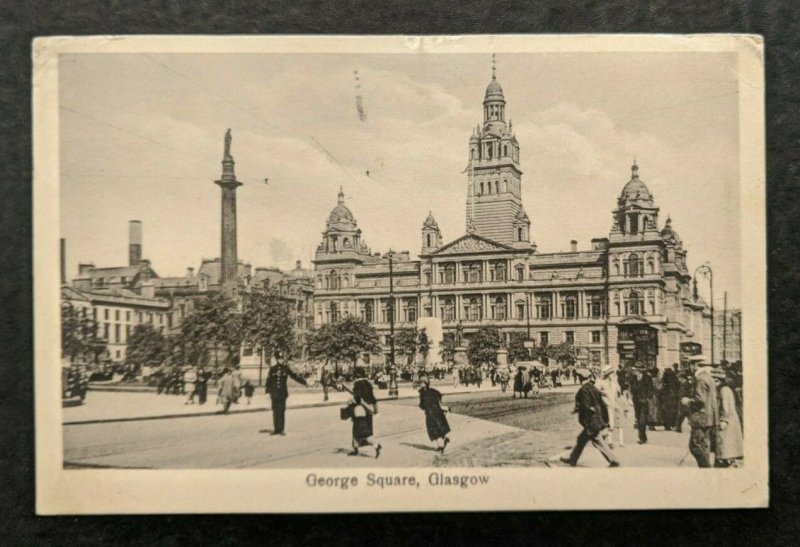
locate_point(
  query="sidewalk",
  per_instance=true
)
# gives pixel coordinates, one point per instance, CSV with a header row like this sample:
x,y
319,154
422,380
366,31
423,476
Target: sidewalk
x,y
663,449
105,406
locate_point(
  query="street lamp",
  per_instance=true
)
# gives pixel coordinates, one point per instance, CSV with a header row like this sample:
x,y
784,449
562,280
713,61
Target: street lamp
x,y
738,316
392,367
705,271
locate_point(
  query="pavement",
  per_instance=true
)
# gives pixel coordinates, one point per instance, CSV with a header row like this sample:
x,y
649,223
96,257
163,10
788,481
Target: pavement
x,y
102,406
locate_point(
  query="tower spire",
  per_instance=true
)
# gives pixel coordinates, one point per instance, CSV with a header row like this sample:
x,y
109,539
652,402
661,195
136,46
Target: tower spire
x,y
341,195
494,67
634,169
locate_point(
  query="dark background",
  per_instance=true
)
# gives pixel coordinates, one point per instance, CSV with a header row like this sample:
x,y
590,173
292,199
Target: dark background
x,y
21,21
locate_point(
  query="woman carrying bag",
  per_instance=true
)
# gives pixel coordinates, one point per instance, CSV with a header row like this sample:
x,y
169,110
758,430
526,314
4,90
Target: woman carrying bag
x,y
364,406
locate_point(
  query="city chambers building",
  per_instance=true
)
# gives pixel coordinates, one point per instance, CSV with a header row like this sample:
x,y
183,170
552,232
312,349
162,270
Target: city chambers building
x,y
626,299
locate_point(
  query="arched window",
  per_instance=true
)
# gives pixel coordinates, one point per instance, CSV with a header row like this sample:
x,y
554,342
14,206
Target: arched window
x,y
497,187
521,309
409,310
519,234
499,307
472,308
367,311
472,273
333,280
651,265
569,306
428,240
489,187
596,305
505,150
333,312
334,244
651,302
634,266
634,304
447,309
544,306
481,190
615,266
346,243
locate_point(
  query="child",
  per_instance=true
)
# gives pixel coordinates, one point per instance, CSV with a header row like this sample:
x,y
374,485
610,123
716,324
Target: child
x,y
249,389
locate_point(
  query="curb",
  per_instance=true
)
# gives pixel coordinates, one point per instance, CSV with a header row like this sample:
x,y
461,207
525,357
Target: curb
x,y
245,410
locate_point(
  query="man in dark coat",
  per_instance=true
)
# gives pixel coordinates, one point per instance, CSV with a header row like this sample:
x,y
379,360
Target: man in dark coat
x,y
593,417
642,390
278,390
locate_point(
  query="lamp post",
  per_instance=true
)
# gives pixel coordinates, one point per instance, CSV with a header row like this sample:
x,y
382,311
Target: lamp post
x,y
705,271
738,316
392,367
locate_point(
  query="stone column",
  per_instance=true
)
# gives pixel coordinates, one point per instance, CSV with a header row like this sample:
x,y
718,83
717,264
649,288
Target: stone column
x,y
228,257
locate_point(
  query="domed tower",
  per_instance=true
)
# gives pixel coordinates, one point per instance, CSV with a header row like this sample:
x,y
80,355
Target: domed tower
x,y
495,179
636,216
342,233
522,229
431,236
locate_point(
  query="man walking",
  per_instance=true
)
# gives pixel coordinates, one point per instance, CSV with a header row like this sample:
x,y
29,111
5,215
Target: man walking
x,y
642,391
278,391
593,416
703,415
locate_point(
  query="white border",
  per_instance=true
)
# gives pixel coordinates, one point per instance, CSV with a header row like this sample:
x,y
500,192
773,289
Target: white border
x,y
224,491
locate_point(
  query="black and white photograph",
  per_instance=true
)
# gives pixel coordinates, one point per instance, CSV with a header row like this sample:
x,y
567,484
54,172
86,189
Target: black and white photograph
x,y
445,273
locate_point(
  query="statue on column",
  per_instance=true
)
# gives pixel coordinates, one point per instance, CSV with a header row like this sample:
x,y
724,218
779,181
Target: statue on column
x,y
228,139
459,334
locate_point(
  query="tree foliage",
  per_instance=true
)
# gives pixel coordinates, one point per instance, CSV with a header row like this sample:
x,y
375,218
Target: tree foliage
x,y
423,345
483,346
516,347
267,323
406,344
79,339
343,341
212,328
147,346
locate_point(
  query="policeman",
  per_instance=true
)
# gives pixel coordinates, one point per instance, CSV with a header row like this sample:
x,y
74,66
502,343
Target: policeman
x,y
278,391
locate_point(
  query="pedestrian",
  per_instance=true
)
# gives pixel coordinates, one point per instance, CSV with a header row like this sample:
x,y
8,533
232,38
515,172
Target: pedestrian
x,y
430,400
654,406
526,381
703,415
642,391
454,373
669,398
226,390
278,390
365,406
249,389
238,381
685,389
202,385
729,450
533,382
518,383
593,417
189,384
326,379
607,385
477,376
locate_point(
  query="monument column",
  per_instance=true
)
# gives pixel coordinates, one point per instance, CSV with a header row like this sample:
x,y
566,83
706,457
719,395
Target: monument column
x,y
229,259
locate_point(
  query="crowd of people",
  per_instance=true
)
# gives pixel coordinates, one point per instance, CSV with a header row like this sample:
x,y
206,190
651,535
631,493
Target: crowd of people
x,y
709,397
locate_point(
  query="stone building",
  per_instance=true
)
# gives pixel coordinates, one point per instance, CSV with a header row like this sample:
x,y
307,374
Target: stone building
x,y
624,299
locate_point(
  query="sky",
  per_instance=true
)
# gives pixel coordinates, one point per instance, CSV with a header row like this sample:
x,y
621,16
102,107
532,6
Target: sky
x,y
141,137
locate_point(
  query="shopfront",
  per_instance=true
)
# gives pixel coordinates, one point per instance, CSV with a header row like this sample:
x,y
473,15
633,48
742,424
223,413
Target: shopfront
x,y
637,345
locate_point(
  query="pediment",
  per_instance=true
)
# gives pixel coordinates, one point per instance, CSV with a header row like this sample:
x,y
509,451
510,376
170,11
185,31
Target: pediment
x,y
471,243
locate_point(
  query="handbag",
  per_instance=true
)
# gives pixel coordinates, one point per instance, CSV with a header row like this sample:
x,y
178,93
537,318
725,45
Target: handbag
x,y
346,412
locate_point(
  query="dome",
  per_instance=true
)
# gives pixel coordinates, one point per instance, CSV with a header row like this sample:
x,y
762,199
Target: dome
x,y
494,92
341,217
430,222
635,189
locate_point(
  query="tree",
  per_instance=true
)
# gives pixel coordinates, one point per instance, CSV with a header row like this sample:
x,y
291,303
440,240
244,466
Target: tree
x,y
213,327
267,323
448,347
406,343
344,340
516,347
79,340
483,346
146,347
564,353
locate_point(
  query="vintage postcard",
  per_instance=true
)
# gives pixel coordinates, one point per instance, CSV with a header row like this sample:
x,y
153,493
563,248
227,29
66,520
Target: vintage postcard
x,y
351,274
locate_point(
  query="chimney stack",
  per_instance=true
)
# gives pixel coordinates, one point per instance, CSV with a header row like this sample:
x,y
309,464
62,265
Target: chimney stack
x,y
573,246
85,267
63,261
298,265
134,242
189,272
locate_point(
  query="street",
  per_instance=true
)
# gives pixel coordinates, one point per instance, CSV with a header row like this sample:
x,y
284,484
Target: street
x,y
489,428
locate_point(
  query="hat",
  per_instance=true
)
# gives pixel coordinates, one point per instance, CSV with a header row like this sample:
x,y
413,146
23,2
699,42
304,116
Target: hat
x,y
718,373
608,370
583,372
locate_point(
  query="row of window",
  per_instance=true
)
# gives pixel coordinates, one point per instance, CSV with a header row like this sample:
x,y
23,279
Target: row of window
x,y
633,266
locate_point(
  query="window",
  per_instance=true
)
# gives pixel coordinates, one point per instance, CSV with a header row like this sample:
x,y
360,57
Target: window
x,y
333,312
497,271
651,265
544,306
105,314
367,311
634,304
615,266
169,320
127,332
569,337
519,234
497,187
139,316
447,274
481,190
472,308
127,316
651,302
569,307
634,223
596,306
544,338
94,314
633,266
499,308
520,305
428,278
385,310
105,330
118,354
448,309
116,315
428,311
117,337
520,271
472,273
595,337
428,240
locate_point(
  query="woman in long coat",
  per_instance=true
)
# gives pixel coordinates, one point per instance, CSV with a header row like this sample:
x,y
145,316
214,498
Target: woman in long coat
x,y
669,399
729,436
654,414
366,405
430,400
